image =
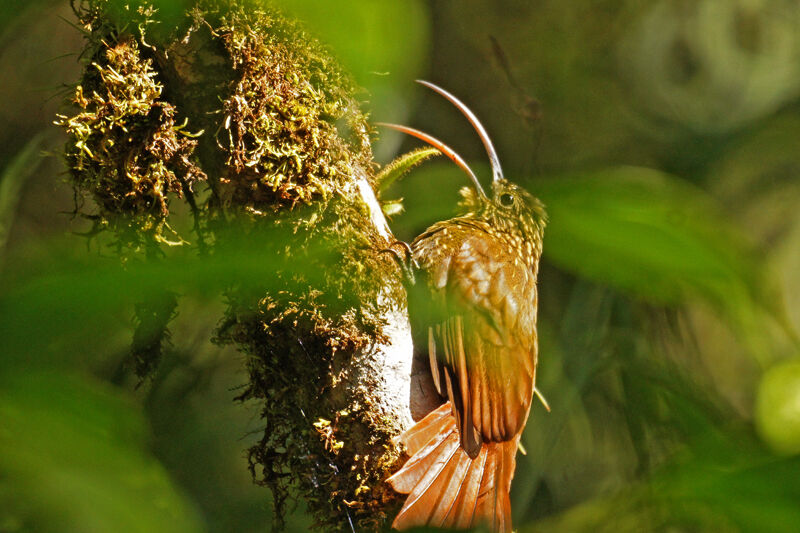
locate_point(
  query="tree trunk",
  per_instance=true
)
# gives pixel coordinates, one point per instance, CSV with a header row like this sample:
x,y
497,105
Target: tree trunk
x,y
229,109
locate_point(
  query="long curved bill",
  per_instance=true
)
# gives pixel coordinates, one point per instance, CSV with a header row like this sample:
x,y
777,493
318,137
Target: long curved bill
x,y
439,145
497,171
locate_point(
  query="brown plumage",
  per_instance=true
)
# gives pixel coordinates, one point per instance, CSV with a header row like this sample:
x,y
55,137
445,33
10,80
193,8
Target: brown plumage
x,y
480,304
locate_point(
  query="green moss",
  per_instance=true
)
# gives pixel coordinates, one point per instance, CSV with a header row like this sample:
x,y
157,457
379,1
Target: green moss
x,y
126,150
280,120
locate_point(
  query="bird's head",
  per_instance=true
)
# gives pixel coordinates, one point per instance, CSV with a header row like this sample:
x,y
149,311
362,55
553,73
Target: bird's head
x,y
508,206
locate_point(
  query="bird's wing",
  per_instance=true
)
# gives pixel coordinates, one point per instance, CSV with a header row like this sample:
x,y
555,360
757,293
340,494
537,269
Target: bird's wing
x,y
483,348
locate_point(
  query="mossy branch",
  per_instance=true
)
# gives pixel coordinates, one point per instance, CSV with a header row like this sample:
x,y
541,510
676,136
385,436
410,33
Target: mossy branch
x,y
233,112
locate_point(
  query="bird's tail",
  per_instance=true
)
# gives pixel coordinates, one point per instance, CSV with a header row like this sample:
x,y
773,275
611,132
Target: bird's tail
x,y
447,488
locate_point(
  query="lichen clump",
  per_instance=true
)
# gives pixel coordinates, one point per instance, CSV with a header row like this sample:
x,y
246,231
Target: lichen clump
x,y
233,110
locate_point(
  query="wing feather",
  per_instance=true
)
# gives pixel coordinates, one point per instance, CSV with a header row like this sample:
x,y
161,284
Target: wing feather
x,y
483,349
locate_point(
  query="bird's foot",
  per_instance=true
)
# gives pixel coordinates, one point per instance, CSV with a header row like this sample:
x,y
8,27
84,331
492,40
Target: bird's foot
x,y
404,259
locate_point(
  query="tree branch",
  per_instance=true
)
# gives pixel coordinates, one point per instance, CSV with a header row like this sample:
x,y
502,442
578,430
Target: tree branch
x,y
232,108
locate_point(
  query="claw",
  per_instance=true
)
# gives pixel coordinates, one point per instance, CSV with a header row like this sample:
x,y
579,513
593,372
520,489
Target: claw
x,y
406,262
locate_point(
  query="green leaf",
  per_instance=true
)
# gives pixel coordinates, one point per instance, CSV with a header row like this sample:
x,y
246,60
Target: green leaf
x,y
51,306
371,39
649,233
12,179
721,483
73,458
402,165
392,207
385,45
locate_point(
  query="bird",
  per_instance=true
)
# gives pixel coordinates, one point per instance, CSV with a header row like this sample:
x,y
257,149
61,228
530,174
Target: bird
x,y
478,274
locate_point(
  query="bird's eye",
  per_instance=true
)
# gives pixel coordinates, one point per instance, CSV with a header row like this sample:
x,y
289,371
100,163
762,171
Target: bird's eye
x,y
506,200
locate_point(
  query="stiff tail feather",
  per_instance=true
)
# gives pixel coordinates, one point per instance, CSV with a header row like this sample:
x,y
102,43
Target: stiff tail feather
x,y
445,487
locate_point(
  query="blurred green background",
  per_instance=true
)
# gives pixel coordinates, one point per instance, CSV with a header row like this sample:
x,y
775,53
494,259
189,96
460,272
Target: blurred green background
x,y
664,138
